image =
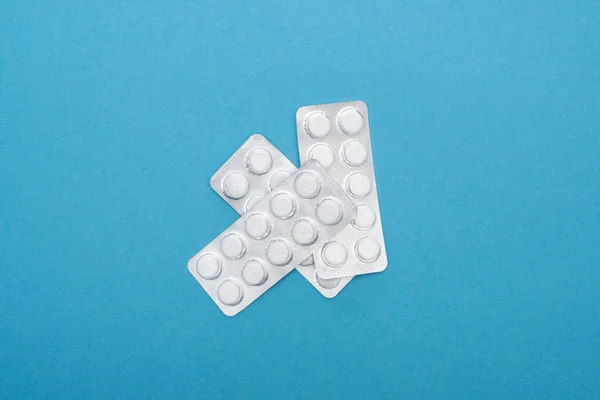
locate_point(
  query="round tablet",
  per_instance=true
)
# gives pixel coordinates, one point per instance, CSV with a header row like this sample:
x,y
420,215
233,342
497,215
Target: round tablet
x,y
307,185
358,185
254,272
259,161
277,178
327,283
283,205
208,266
329,211
365,217
323,154
233,246
229,293
304,232
257,226
252,201
307,262
317,124
354,153
368,249
350,120
334,254
279,252
235,185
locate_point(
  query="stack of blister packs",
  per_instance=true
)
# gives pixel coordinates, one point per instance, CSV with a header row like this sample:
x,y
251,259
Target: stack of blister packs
x,y
322,219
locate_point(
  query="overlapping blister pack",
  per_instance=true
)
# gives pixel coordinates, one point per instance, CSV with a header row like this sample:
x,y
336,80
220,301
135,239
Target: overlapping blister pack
x,y
338,136
253,171
281,230
322,219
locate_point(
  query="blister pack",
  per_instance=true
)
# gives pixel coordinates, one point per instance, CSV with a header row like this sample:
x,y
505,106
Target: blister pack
x,y
254,170
338,136
262,246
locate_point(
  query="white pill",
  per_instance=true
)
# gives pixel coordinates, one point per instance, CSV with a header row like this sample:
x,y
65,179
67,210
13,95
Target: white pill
x,y
307,185
252,201
283,205
277,178
304,232
254,272
259,161
257,226
350,120
355,153
229,293
323,154
317,124
279,252
329,212
368,249
307,262
233,246
358,185
208,266
365,217
235,185
334,254
327,283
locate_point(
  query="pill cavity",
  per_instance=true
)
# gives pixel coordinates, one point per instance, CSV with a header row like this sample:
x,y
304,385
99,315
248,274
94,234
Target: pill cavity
x,y
365,217
257,226
229,292
252,201
208,266
279,252
317,124
327,283
283,205
259,161
354,153
235,185
358,185
350,120
334,254
277,178
323,154
233,246
254,272
307,262
329,211
368,249
307,185
304,232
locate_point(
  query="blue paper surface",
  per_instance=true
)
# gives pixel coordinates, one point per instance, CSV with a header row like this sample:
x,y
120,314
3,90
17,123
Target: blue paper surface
x,y
485,127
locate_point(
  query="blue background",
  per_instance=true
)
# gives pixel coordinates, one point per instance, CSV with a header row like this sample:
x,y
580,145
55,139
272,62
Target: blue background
x,y
485,123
